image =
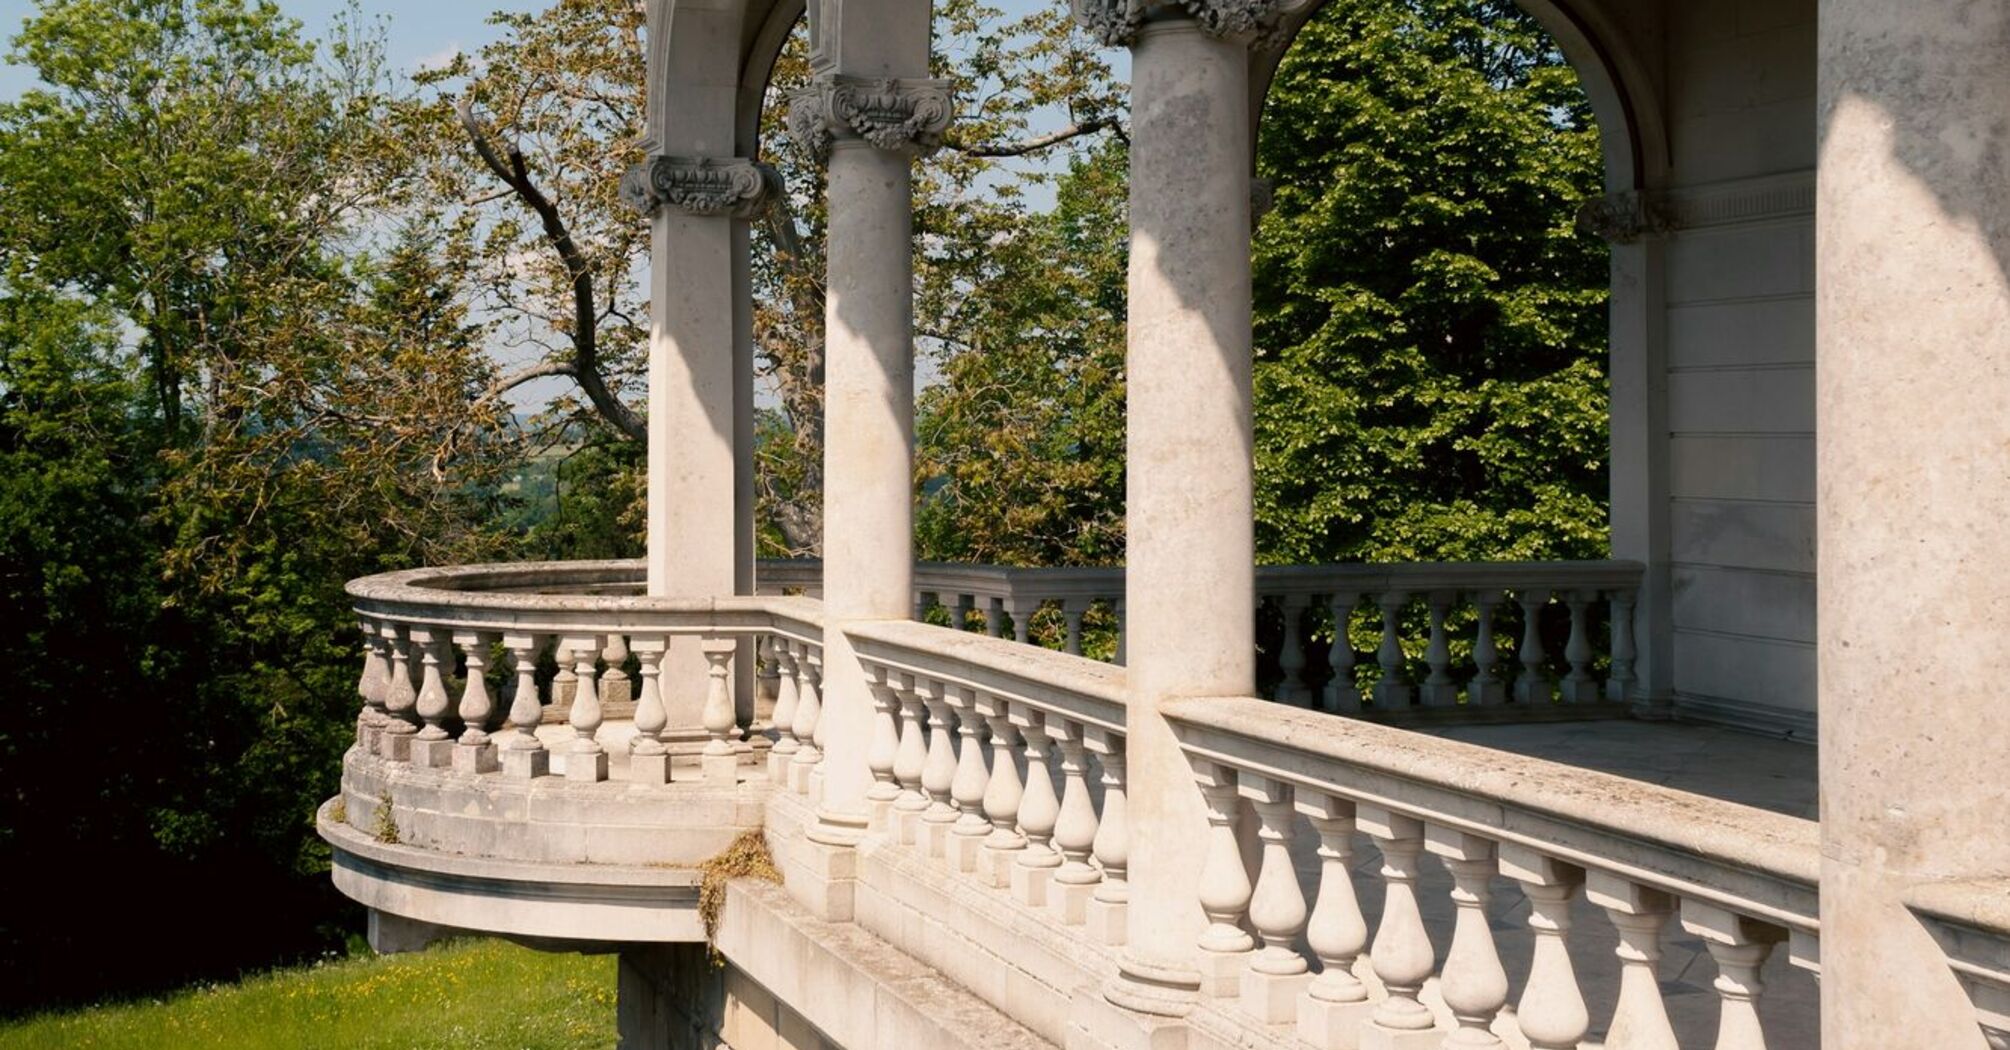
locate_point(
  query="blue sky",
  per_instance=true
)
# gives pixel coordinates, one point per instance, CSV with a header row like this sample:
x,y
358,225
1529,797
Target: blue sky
x,y
419,32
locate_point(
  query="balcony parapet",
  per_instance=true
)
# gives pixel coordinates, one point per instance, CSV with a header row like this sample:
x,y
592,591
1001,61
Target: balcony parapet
x,y
1970,920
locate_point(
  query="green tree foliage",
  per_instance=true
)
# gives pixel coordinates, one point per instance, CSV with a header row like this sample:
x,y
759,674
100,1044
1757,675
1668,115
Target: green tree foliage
x,y
237,367
1430,374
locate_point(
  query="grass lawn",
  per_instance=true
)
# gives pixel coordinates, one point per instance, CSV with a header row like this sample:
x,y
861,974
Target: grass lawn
x,y
464,996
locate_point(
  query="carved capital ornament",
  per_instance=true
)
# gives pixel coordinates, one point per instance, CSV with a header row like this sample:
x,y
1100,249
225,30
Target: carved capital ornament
x,y
731,186
1623,218
1116,22
903,115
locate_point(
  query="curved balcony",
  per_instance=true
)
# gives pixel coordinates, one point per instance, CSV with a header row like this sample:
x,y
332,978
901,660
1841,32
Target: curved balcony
x,y
545,754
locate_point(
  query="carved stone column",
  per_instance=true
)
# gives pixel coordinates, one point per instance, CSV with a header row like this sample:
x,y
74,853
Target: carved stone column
x,y
1190,584
868,130
696,540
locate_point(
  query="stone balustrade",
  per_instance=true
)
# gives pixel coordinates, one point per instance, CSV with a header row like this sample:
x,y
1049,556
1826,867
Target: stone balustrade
x,y
1741,881
1971,923
1438,627
1005,764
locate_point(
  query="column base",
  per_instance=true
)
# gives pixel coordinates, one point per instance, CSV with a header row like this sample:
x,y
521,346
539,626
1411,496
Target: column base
x,y
586,767
1068,902
1325,1023
906,825
1486,694
1376,1037
964,852
1585,692
994,866
1108,921
433,754
1273,998
1443,695
1221,972
653,770
396,747
823,878
526,765
932,837
1029,885
799,776
721,769
1103,1025
778,766
475,758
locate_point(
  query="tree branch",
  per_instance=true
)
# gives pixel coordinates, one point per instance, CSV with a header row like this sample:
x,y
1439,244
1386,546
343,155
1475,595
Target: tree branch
x,y
515,174
1035,145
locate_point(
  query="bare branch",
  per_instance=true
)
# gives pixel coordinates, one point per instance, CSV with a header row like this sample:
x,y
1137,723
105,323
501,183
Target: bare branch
x,y
1036,144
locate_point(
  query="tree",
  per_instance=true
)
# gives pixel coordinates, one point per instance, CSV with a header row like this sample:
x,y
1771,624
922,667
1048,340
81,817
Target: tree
x,y
1430,380
198,196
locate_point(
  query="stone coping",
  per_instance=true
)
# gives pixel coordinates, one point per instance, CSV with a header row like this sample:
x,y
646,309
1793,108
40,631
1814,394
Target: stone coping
x,y
1085,689
1971,920
513,598
1748,860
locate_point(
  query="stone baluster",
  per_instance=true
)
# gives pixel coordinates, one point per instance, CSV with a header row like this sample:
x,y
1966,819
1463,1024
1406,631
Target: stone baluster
x,y
1740,947
1075,828
648,758
433,747
564,683
523,754
768,673
1225,947
1336,1002
911,760
923,602
938,772
1579,687
1342,695
370,687
1532,686
959,613
585,760
883,755
809,725
966,790
1619,687
615,687
1401,954
1639,1016
1551,1010
720,760
1439,689
1277,974
1291,652
1039,811
1002,792
994,617
474,753
782,659
1392,690
1109,907
1474,984
1072,611
1486,689
1021,610
1123,630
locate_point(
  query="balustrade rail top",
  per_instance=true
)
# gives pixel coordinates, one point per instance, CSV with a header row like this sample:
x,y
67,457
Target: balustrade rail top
x,y
1450,575
1980,903
517,597
1759,862
1086,688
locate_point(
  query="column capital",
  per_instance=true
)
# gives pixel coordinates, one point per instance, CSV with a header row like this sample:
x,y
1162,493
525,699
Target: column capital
x,y
1116,22
733,186
891,113
1623,218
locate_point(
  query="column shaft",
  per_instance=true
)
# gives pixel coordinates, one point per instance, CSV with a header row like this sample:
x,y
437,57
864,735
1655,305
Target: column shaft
x,y
1913,496
1190,582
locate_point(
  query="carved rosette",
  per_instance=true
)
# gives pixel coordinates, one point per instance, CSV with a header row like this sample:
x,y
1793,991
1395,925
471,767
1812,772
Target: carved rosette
x,y
1623,218
699,186
1116,22
891,114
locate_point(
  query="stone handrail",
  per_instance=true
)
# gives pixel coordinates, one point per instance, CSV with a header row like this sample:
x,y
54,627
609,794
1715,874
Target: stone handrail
x,y
1971,923
1741,880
